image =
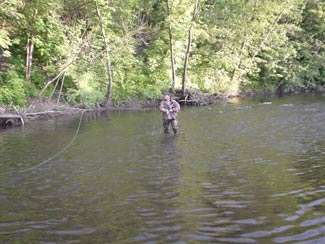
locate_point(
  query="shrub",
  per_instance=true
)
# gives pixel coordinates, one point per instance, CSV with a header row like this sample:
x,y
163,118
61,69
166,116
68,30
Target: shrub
x,y
12,89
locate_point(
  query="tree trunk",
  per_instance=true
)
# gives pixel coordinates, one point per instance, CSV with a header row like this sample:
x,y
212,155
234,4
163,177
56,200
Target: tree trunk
x,y
188,49
171,49
29,57
187,55
108,62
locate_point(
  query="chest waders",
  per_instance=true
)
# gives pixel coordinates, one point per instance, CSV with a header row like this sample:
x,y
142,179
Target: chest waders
x,y
173,123
170,120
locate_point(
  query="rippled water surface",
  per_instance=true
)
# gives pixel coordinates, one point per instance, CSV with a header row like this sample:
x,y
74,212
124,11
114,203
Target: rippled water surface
x,y
249,171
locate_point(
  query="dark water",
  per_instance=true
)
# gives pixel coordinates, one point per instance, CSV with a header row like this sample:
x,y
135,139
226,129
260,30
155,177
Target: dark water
x,y
252,171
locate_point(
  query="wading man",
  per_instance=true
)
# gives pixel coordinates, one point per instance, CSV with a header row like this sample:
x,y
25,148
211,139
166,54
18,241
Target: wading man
x,y
169,109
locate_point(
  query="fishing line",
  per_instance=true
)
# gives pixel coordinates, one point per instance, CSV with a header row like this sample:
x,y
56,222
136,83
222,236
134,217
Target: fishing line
x,y
57,154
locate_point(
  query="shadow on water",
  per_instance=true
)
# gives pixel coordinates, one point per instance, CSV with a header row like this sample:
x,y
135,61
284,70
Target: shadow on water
x,y
249,171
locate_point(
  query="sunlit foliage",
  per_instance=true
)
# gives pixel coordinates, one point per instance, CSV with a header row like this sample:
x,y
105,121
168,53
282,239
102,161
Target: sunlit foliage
x,y
237,46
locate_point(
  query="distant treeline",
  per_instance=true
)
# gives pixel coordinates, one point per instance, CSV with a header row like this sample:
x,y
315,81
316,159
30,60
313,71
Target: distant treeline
x,y
87,51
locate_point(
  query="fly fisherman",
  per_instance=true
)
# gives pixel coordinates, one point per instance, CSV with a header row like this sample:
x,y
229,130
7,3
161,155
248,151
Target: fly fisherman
x,y
169,109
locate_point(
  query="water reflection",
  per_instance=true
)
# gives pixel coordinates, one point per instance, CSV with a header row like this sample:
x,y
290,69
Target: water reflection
x,y
251,171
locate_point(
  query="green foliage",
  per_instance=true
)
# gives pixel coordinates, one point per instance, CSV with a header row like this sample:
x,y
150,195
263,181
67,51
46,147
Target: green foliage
x,y
31,90
240,44
12,89
311,49
74,96
86,91
4,39
9,11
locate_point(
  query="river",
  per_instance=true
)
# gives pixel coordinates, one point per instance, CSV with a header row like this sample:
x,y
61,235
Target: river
x,y
246,171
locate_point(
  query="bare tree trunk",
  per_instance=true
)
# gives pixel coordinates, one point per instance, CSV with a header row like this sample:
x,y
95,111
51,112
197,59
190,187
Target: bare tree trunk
x,y
187,55
188,49
29,57
171,49
108,62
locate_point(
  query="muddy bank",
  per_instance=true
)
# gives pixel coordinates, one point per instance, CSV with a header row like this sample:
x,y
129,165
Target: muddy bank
x,y
45,110
35,110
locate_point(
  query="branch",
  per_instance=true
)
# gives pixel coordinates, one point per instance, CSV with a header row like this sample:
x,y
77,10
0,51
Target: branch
x,y
65,67
56,77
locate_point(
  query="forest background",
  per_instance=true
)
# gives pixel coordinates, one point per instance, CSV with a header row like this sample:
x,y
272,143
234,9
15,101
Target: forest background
x,y
87,51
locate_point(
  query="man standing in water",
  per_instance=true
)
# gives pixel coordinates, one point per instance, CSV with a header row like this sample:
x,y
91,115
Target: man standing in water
x,y
169,109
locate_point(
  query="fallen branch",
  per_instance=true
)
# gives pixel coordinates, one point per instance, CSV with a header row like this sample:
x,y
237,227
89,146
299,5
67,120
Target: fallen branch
x,y
194,100
56,77
44,112
21,118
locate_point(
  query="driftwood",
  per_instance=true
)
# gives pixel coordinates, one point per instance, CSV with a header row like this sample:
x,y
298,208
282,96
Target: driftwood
x,y
197,98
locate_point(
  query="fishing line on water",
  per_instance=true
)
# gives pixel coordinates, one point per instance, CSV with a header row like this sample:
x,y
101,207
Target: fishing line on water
x,y
57,154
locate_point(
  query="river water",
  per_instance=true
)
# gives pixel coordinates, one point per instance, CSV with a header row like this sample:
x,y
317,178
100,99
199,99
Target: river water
x,y
246,171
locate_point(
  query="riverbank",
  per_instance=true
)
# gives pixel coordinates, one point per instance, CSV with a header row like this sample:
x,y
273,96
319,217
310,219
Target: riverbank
x,y
44,109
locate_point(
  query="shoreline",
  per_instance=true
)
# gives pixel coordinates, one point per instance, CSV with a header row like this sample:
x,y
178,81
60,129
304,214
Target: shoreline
x,y
45,110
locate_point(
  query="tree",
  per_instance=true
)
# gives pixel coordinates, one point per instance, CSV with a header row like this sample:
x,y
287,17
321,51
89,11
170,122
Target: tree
x,y
215,46
311,39
171,47
189,43
107,56
41,32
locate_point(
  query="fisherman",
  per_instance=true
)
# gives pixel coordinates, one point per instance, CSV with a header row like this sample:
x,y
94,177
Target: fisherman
x,y
169,108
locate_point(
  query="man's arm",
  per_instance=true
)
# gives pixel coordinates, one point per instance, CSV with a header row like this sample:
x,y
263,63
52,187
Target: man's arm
x,y
162,109
176,106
